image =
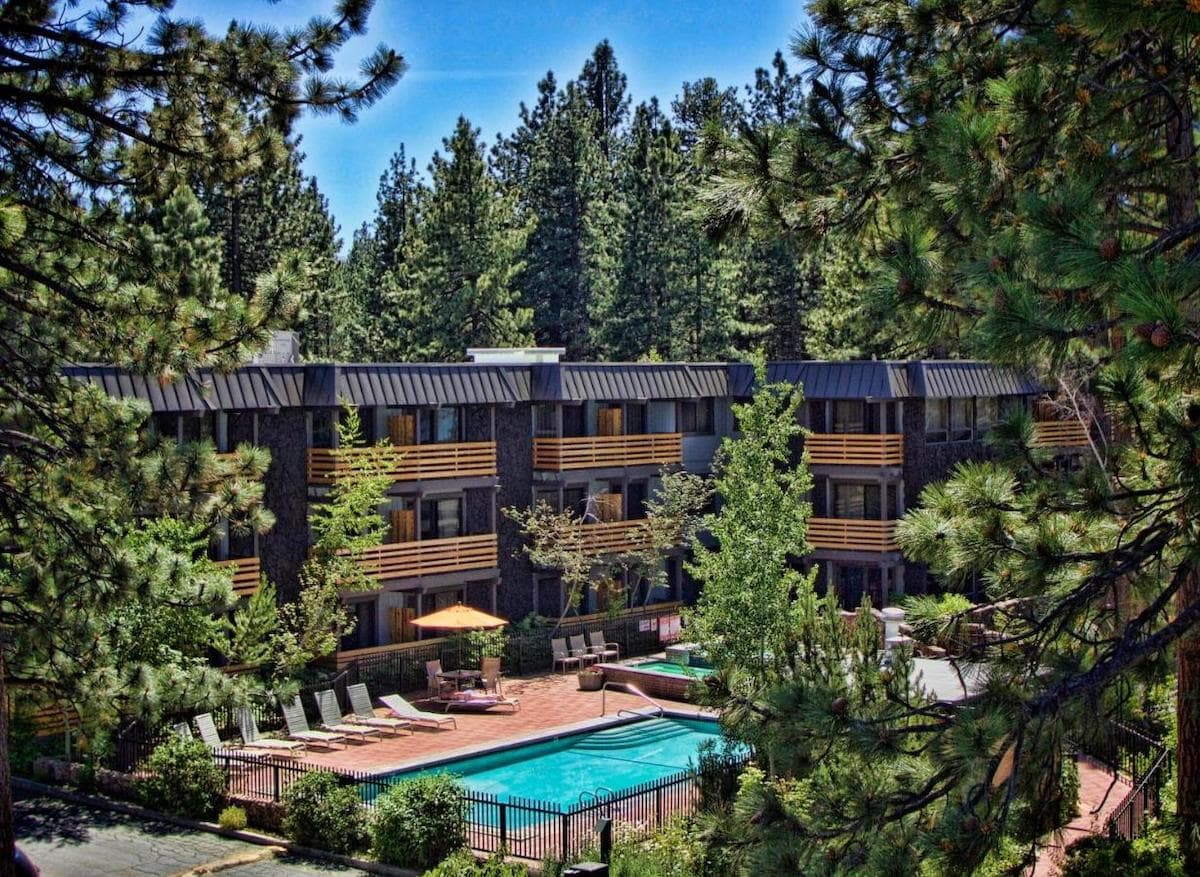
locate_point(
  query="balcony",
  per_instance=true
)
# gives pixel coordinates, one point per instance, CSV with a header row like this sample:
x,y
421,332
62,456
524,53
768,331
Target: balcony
x,y
1060,434
612,537
852,449
408,462
247,571
601,451
845,534
401,560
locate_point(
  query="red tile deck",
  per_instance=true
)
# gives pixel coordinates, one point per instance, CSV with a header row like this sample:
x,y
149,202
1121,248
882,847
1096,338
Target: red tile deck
x,y
547,703
1099,797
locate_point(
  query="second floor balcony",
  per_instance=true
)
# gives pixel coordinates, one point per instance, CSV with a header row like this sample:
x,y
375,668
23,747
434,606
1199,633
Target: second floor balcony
x,y
247,571
1060,434
612,537
604,451
854,449
426,557
851,534
407,462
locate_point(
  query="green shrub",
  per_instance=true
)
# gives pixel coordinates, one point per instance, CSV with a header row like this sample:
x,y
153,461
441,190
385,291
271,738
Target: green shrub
x,y
672,851
232,818
464,864
183,779
320,812
419,822
1156,854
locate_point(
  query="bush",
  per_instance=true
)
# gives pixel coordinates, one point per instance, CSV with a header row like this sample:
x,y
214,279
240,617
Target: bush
x,y
1156,854
419,822
232,818
183,779
464,864
320,812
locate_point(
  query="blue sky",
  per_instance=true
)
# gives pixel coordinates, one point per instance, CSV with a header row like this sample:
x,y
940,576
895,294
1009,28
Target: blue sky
x,y
481,59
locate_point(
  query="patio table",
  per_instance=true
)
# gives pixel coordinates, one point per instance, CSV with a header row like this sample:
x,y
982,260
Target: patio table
x,y
461,678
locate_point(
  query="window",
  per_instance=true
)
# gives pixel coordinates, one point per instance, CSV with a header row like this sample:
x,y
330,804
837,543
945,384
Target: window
x,y
856,501
198,427
363,635
635,418
322,429
937,420
696,417
545,421
849,416
441,518
1010,405
986,414
962,418
440,425
165,426
574,500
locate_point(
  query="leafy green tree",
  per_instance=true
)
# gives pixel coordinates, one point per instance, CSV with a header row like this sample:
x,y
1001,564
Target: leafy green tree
x,y
1036,200
106,256
456,283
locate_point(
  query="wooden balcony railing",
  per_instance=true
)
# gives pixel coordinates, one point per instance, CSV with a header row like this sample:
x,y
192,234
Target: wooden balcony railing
x,y
847,449
1060,434
613,537
409,462
399,560
246,574
595,451
846,534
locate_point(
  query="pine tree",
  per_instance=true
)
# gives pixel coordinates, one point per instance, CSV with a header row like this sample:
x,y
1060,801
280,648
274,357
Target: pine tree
x,y
602,87
1036,195
456,280
107,257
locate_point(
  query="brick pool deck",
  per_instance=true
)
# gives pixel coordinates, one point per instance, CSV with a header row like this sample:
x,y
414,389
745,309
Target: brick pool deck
x,y
548,704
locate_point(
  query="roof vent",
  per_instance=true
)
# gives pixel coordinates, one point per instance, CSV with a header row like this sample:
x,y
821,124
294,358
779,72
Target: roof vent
x,y
514,355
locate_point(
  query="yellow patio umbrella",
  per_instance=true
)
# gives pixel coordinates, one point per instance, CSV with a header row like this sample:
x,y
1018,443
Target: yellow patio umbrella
x,y
459,617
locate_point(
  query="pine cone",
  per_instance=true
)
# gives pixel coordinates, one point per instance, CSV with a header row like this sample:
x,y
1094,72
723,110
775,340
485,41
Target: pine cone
x,y
996,264
999,298
1161,336
905,286
1110,248
839,706
1144,330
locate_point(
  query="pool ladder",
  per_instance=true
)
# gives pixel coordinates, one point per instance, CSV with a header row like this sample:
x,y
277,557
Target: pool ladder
x,y
596,795
632,689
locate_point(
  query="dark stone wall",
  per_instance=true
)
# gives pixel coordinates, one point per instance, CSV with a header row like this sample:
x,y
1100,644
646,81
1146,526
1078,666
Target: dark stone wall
x,y
239,428
514,464
926,464
820,490
479,595
477,511
478,423
285,547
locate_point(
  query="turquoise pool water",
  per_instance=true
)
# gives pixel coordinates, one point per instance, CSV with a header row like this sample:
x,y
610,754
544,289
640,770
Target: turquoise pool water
x,y
561,771
673,668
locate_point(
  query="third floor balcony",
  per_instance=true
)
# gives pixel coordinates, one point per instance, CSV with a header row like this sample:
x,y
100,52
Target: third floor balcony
x,y
407,462
851,534
604,451
853,449
426,557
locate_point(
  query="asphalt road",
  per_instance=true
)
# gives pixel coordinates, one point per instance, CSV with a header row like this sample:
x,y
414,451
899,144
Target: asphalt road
x,y
71,840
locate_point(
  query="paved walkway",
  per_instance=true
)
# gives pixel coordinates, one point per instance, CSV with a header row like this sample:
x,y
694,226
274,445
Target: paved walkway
x,y
547,703
1099,798
71,840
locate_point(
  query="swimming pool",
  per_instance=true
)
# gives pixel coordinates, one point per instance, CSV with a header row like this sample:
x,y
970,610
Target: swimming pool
x,y
673,668
565,770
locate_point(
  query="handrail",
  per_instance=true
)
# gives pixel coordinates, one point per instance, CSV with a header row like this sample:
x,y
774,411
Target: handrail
x,y
632,689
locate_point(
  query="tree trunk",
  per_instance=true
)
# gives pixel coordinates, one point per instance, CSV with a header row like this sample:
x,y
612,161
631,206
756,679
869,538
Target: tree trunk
x,y
1187,752
8,839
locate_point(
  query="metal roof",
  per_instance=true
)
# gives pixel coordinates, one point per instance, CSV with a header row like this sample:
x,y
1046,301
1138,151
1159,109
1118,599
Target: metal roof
x,y
579,382
434,384
251,387
942,379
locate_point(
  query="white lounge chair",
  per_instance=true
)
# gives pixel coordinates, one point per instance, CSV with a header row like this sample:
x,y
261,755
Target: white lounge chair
x,y
405,710
580,650
364,714
605,650
297,725
331,719
251,739
562,655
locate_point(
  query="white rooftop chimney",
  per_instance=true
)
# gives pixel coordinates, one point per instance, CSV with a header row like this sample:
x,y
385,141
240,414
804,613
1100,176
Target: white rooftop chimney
x,y
514,355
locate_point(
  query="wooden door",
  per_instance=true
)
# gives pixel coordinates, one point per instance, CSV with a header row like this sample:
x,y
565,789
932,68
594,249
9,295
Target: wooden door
x,y
402,525
609,421
402,429
609,507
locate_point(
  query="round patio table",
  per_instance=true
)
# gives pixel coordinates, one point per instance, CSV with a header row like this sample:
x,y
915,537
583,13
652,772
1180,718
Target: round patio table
x,y
461,678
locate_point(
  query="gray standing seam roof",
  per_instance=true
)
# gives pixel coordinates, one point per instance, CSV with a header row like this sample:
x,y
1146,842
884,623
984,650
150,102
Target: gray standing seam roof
x,y
885,379
580,382
438,384
943,379
251,387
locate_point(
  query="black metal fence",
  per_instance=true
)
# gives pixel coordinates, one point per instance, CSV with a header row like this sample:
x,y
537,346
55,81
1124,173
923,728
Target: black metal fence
x,y
521,827
1145,761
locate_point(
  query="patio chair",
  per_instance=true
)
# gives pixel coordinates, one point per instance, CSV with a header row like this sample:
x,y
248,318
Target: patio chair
x,y
331,720
490,668
364,714
562,655
436,684
606,651
580,650
405,710
251,739
297,725
181,730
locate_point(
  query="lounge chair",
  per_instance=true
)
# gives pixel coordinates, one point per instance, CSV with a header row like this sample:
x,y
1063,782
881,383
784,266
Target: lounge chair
x,y
562,655
364,713
606,651
297,725
251,739
331,720
474,700
405,710
580,650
